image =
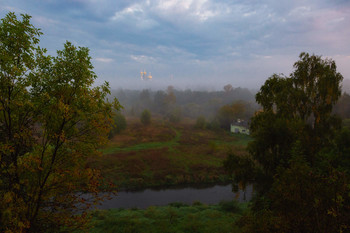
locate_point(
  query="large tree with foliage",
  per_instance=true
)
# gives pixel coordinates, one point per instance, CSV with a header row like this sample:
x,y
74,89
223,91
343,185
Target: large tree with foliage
x,y
51,120
299,156
230,113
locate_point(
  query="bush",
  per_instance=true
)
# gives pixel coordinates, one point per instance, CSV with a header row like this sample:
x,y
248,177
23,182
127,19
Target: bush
x,y
145,117
214,124
178,204
201,123
175,115
119,124
230,206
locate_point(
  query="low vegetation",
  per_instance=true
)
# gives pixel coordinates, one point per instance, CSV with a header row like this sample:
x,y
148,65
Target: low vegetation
x,y
165,153
176,217
145,117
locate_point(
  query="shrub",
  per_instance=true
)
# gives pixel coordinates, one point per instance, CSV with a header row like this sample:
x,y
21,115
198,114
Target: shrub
x,y
214,124
230,206
175,115
201,123
145,117
177,204
119,124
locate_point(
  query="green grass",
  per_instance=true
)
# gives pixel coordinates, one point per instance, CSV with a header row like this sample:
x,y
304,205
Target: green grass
x,y
238,139
176,217
144,146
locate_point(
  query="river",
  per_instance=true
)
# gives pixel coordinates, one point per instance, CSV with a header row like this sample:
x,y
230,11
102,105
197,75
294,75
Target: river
x,y
158,197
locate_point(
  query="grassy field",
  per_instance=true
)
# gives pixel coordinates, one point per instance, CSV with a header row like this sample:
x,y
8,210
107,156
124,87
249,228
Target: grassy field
x,y
175,217
166,154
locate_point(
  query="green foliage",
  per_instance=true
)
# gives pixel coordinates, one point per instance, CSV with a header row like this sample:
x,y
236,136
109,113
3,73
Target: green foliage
x,y
119,124
178,218
231,206
145,117
51,120
299,157
315,202
237,167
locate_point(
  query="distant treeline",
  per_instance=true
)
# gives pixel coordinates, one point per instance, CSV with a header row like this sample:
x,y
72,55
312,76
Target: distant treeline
x,y
177,104
230,103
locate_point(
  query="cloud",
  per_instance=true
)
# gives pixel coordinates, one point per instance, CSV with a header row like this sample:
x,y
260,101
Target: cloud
x,y
300,11
104,60
133,10
247,14
42,21
135,16
200,10
143,59
234,41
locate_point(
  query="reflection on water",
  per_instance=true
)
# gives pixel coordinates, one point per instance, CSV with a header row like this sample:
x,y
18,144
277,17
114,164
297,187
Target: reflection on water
x,y
151,197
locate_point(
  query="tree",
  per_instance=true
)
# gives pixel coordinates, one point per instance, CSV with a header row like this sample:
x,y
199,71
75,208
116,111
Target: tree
x,y
145,99
200,123
231,112
174,115
145,117
228,88
119,124
295,158
51,121
159,102
170,99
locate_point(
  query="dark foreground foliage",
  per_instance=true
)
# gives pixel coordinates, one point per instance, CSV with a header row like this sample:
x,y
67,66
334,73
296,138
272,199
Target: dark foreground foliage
x,y
299,156
51,120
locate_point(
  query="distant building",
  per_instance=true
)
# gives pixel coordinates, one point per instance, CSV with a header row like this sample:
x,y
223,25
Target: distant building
x,y
144,76
240,126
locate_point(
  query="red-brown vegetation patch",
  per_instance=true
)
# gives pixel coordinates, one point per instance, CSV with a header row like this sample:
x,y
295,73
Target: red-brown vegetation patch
x,y
180,154
137,133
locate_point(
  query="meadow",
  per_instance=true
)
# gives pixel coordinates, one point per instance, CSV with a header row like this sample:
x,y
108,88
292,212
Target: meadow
x,y
165,153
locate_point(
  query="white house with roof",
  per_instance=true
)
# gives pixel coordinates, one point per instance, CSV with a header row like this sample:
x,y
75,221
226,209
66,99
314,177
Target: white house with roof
x,y
240,126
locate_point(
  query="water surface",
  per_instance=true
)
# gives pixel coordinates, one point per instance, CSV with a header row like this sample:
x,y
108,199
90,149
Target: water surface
x,y
158,197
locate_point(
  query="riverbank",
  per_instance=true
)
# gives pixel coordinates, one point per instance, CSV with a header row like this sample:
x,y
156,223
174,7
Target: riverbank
x,y
176,217
166,154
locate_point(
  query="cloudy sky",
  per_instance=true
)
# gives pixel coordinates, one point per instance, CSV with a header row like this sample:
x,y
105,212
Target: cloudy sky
x,y
193,43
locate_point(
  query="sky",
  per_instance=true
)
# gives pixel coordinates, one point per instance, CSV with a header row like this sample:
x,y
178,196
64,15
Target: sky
x,y
193,43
